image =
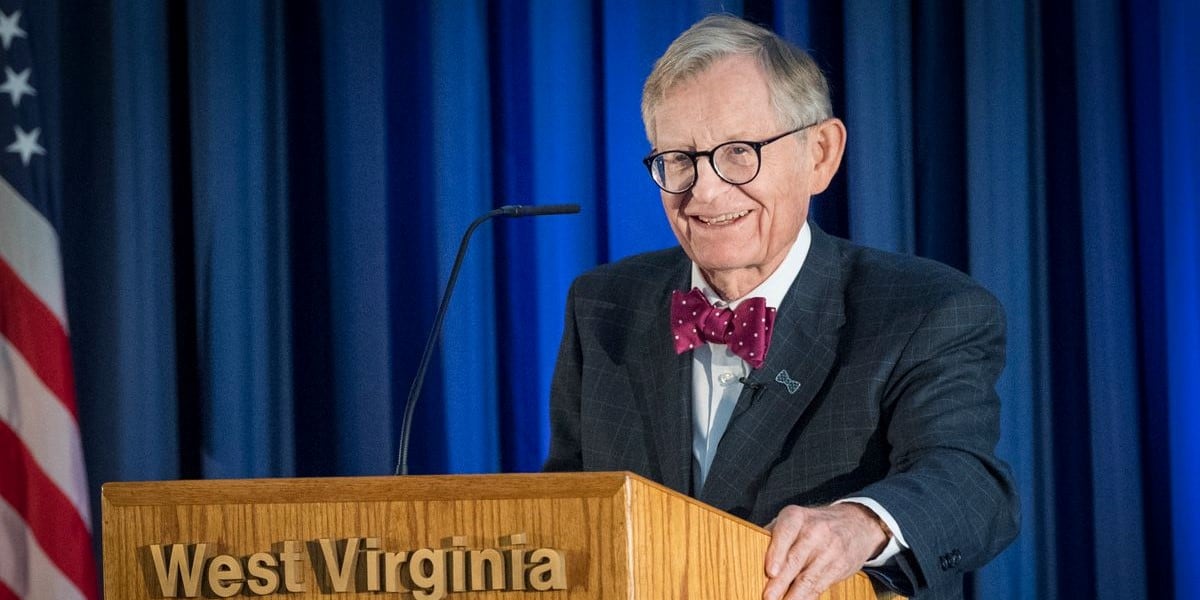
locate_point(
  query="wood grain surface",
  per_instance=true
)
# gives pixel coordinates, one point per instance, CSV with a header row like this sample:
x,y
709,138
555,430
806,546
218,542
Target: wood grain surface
x,y
622,537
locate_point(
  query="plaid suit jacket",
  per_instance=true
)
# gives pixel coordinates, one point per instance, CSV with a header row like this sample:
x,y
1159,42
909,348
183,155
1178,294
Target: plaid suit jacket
x,y
896,357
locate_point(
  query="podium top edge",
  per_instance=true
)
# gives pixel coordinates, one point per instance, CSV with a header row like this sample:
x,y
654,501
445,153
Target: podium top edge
x,y
363,489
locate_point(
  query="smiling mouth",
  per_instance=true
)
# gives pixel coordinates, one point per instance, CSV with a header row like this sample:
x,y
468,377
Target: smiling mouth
x,y
724,219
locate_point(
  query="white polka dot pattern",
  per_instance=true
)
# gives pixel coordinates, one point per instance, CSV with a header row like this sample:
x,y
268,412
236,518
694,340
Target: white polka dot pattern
x,y
701,322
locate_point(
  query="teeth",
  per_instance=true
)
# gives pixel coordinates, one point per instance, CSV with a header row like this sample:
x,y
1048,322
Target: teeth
x,y
725,218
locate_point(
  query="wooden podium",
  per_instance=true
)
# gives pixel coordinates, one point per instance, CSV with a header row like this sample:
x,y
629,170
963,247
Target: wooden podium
x,y
540,536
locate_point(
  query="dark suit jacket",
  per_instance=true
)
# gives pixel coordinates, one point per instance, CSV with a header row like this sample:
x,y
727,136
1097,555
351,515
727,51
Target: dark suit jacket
x,y
896,356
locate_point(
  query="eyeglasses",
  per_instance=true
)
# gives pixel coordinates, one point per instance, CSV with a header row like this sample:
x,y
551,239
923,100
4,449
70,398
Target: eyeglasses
x,y
736,162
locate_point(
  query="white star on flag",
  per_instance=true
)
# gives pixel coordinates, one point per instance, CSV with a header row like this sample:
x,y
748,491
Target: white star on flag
x,y
9,28
26,144
17,85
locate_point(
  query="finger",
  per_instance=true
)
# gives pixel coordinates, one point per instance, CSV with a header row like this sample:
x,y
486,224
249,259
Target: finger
x,y
795,561
816,577
778,587
805,587
785,529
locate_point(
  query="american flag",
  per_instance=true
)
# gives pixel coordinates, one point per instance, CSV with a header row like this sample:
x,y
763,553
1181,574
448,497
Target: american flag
x,y
45,526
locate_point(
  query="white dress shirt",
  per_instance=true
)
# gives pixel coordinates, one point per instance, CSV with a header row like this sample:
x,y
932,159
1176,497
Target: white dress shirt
x,y
717,374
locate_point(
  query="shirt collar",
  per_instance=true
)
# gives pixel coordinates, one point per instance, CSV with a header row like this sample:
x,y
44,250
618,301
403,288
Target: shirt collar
x,y
776,286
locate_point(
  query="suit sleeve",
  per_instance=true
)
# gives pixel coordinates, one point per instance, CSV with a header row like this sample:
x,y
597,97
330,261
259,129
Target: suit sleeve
x,y
565,397
952,497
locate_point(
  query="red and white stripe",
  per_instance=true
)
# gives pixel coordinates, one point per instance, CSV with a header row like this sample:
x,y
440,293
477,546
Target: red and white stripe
x,y
45,527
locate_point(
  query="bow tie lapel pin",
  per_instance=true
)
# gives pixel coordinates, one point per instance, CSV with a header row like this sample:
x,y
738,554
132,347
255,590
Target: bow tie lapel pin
x,y
791,384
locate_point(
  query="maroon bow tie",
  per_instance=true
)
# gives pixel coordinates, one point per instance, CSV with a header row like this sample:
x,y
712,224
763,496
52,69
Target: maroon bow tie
x,y
746,329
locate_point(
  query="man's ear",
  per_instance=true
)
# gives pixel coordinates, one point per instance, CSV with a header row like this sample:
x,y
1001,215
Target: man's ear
x,y
827,142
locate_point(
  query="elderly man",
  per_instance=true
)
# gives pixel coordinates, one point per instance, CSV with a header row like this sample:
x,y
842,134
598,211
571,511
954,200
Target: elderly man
x,y
842,396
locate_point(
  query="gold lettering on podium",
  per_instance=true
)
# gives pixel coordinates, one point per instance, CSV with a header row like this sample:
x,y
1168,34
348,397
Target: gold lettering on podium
x,y
357,564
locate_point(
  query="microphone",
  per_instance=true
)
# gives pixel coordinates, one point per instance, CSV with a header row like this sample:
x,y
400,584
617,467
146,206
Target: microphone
x,y
517,210
414,392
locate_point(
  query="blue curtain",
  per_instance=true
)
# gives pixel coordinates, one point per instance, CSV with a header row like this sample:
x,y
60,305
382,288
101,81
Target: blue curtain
x,y
261,200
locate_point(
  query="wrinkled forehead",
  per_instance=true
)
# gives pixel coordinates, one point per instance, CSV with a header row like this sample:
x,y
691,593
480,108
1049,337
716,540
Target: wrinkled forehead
x,y
731,99
753,74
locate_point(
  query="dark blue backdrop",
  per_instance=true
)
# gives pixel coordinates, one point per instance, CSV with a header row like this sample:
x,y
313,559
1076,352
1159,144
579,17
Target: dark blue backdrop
x,y
260,200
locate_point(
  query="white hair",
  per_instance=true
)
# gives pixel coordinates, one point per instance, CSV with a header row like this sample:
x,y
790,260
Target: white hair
x,y
799,91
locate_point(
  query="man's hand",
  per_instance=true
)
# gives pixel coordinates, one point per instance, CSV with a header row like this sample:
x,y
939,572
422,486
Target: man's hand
x,y
814,548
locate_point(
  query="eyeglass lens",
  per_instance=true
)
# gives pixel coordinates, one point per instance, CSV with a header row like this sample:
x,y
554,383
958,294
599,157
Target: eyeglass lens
x,y
734,162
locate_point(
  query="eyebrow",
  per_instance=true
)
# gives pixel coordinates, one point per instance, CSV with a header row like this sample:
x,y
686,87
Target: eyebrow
x,y
745,137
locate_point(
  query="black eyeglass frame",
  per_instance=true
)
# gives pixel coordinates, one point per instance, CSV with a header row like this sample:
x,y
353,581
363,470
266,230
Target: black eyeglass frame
x,y
694,155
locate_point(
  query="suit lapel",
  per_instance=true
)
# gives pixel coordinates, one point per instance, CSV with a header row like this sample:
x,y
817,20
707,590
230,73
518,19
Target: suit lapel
x,y
802,351
666,388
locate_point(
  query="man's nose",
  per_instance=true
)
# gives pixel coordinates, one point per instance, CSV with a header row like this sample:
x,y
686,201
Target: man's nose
x,y
708,184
